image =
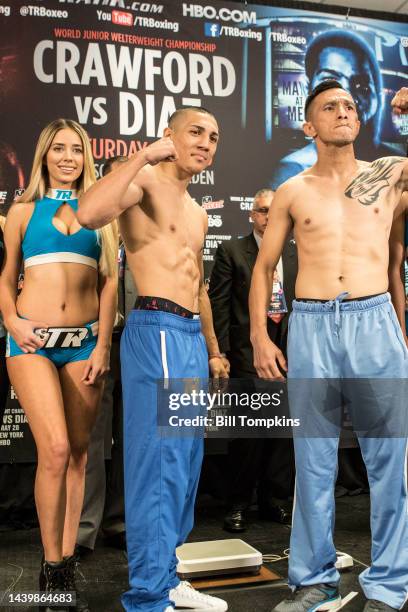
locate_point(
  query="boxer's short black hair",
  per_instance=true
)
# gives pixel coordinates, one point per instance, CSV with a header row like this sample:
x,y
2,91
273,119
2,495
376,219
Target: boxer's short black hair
x,y
179,111
323,86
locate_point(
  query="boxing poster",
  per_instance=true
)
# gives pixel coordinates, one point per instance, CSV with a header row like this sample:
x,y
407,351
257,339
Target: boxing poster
x,y
121,67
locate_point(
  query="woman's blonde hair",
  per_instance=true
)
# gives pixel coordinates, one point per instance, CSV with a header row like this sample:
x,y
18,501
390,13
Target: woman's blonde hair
x,y
2,222
39,184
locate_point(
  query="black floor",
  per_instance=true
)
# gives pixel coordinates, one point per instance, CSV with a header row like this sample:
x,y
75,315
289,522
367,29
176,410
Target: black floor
x,y
104,573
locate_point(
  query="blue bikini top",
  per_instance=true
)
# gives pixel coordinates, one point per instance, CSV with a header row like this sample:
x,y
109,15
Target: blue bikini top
x,y
44,243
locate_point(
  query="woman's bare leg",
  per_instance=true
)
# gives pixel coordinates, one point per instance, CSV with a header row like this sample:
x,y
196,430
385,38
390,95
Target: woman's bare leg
x,y
36,383
81,405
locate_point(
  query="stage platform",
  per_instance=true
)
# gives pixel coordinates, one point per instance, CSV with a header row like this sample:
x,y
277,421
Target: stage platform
x,y
104,573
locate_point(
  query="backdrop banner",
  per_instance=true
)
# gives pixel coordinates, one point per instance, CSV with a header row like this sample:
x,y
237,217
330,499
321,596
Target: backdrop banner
x,y
121,67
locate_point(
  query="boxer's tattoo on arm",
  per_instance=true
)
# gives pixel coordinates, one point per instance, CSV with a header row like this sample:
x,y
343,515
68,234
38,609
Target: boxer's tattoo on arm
x,y
367,185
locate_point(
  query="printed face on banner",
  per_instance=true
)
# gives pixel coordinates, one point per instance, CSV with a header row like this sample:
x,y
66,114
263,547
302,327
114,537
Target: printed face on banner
x,y
65,158
354,73
368,57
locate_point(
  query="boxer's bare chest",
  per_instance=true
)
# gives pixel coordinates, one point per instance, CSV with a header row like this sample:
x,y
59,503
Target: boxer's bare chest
x,y
362,203
168,216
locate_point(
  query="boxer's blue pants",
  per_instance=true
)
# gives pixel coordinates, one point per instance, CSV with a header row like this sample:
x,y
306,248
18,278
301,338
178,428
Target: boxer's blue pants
x,y
341,341
161,473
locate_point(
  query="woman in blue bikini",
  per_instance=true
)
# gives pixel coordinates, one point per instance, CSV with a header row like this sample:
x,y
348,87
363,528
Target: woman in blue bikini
x,y
59,334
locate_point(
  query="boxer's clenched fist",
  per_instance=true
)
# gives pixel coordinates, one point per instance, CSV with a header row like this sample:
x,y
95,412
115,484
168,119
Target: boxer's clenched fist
x,y
399,103
161,150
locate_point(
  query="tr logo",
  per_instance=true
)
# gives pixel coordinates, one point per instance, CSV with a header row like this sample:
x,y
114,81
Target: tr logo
x,y
61,194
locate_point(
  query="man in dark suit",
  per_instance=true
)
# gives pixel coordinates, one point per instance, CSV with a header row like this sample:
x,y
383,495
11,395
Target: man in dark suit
x,y
265,463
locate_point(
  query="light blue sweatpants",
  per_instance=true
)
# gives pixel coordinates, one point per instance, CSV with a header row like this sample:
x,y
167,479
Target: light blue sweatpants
x,y
161,473
343,340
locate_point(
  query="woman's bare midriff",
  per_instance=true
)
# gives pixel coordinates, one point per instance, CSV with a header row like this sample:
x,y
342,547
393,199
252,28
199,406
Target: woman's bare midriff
x,y
60,294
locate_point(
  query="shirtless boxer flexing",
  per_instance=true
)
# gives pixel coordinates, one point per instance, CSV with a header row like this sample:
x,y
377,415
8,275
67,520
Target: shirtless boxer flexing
x,y
163,230
343,326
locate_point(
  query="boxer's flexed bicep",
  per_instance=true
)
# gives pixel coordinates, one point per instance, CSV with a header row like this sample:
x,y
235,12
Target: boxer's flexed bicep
x,y
132,196
120,190
160,150
109,197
